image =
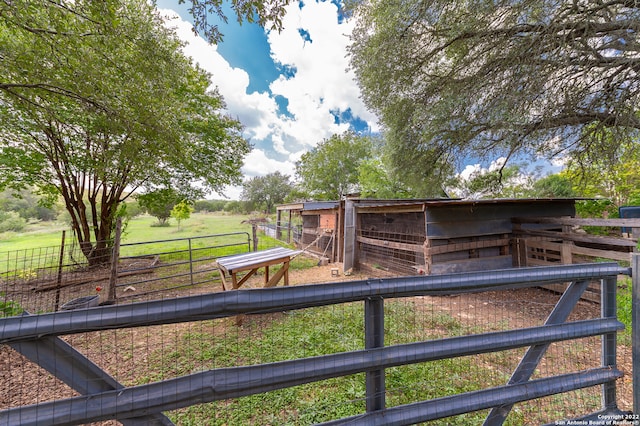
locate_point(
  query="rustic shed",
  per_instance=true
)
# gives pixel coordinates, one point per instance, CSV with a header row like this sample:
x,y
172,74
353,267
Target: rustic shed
x,y
436,236
315,226
426,236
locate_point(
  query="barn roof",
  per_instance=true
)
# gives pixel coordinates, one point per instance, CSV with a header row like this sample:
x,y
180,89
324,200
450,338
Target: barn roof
x,y
415,204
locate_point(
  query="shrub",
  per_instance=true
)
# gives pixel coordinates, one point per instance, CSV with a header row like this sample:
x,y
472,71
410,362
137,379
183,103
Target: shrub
x,y
11,221
9,308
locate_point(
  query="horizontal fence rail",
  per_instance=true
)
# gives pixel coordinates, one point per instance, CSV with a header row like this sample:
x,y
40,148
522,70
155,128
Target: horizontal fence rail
x,y
27,333
260,301
42,280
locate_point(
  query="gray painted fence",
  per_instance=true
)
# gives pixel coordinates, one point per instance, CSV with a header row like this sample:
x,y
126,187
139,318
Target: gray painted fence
x,y
36,337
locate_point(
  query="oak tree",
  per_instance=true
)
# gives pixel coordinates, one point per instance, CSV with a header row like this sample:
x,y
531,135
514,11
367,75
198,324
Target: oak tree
x,y
97,100
266,191
453,79
331,169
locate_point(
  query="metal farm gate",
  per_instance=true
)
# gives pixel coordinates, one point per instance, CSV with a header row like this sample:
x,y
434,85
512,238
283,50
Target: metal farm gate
x,y
101,397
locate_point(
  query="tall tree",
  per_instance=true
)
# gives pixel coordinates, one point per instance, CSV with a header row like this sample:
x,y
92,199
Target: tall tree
x,y
159,203
452,79
331,169
494,182
614,177
99,101
267,190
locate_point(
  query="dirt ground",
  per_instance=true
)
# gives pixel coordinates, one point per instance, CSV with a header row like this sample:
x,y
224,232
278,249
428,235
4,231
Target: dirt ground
x,y
23,383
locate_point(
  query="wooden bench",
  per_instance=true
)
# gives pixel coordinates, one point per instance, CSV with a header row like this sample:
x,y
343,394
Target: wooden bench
x,y
231,265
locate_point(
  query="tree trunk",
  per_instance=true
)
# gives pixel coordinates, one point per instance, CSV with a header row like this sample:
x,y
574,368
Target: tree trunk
x,y
97,250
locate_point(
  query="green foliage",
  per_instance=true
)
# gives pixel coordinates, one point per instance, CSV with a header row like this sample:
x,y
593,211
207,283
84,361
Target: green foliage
x,y
599,208
331,169
237,207
625,307
9,308
266,14
209,205
159,203
376,178
11,221
28,204
133,209
97,98
181,211
266,191
613,173
496,182
454,79
553,186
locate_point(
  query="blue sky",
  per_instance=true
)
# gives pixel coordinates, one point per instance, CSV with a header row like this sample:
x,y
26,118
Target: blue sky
x,y
290,89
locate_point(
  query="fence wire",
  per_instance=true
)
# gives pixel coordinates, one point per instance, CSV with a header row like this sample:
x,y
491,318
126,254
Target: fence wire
x,y
136,356
52,278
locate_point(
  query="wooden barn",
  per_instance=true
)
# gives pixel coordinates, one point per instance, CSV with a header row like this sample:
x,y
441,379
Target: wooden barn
x,y
430,236
315,226
438,236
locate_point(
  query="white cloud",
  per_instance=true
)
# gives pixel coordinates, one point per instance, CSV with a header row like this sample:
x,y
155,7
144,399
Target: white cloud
x,y
321,85
258,163
472,170
469,170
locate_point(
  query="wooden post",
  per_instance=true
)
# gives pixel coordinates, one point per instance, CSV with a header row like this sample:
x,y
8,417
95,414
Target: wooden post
x,y
566,256
279,225
427,256
520,253
115,257
349,235
254,231
60,264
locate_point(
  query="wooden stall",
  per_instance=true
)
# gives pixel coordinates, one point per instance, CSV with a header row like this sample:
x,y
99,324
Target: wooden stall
x,y
543,241
438,236
315,226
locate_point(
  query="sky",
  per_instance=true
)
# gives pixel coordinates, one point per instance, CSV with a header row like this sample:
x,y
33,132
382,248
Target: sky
x,y
290,90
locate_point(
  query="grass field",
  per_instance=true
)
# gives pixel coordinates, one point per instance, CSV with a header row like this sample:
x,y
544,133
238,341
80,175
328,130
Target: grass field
x,y
139,229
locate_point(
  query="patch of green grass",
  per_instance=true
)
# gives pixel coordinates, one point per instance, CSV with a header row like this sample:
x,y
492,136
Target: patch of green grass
x,y
41,234
625,303
139,230
9,308
308,333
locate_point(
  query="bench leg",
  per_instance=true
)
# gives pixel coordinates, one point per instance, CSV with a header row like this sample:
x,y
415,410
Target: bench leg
x,y
276,278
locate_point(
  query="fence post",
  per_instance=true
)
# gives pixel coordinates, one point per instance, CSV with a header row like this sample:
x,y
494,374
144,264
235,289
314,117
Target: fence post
x,y
635,330
608,306
115,258
254,232
59,277
350,217
374,338
190,262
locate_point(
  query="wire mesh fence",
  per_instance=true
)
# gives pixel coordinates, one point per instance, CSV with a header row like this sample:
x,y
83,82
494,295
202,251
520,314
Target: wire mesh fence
x,y
52,278
142,355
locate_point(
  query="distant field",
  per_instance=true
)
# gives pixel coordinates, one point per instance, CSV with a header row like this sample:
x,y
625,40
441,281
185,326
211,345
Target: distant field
x,y
139,229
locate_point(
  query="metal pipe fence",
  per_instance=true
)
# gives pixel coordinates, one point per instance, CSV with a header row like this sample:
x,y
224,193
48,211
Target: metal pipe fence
x,y
99,396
